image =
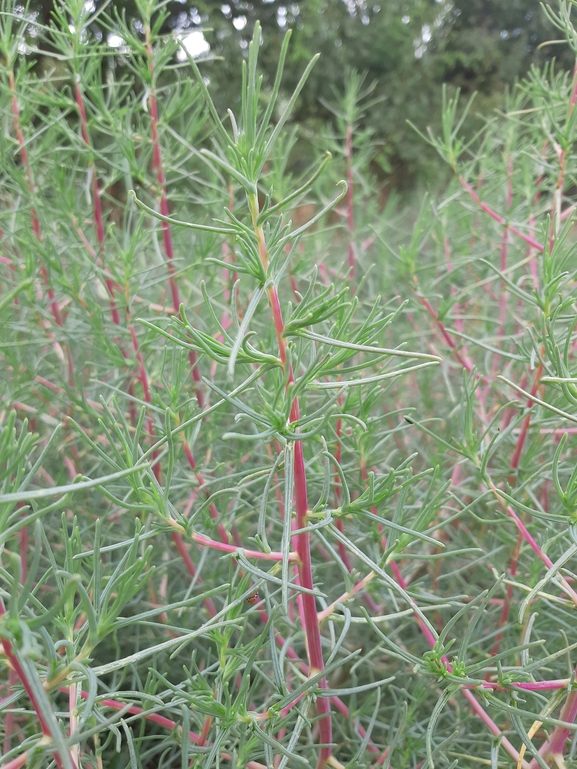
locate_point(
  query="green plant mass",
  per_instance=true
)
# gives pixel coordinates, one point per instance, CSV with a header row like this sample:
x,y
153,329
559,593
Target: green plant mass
x,y
287,472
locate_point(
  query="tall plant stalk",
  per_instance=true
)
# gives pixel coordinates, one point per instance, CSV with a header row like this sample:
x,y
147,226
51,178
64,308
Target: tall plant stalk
x,y
363,517
146,9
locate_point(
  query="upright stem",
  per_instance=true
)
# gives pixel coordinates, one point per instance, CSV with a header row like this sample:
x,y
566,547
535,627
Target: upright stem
x,y
12,677
110,285
555,745
96,205
465,362
303,539
54,307
535,201
14,661
23,150
164,209
516,458
498,218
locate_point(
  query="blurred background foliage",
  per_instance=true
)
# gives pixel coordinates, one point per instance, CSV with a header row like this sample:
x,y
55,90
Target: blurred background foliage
x,y
407,48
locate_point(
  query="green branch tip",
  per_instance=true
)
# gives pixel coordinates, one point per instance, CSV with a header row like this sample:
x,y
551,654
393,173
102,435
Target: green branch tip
x,y
178,222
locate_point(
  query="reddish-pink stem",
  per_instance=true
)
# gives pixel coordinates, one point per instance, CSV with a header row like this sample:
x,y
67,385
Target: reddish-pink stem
x,y
224,547
54,307
165,211
498,218
100,235
530,686
167,723
515,459
163,203
305,601
467,365
533,544
16,763
492,727
14,662
96,204
205,730
555,745
476,707
188,562
514,465
336,701
23,151
200,479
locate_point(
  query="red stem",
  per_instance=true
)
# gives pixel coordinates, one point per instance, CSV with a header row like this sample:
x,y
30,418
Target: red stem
x,y
225,547
100,235
555,745
515,459
306,601
12,677
54,307
14,662
336,701
498,218
477,708
447,337
156,718
96,204
200,479
23,151
16,763
165,211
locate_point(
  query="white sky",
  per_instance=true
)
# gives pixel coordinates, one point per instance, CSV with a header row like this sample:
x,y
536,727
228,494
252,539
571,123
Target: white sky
x,y
195,43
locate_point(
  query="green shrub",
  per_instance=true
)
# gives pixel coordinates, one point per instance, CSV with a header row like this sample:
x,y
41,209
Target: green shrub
x,y
278,494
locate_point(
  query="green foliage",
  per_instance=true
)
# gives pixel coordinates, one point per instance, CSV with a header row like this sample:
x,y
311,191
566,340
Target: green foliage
x,y
408,48
280,490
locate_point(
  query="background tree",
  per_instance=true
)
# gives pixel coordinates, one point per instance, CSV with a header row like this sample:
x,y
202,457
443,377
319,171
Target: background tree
x,y
409,47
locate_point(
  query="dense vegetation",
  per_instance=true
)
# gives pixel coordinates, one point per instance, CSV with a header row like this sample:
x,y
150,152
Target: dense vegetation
x,y
407,48
285,479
